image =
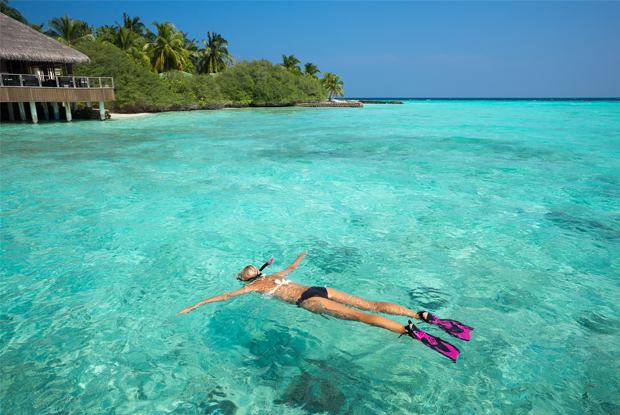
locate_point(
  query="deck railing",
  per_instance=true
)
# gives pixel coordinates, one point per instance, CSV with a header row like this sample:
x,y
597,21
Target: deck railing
x,y
69,81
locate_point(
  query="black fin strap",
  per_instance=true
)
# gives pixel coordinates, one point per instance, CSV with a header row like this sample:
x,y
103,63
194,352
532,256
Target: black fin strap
x,y
421,314
408,330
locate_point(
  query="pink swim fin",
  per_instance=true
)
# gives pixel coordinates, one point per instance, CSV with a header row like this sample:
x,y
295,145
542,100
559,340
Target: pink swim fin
x,y
433,342
452,327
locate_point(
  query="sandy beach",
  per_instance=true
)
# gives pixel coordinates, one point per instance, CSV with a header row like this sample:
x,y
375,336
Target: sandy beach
x,y
119,115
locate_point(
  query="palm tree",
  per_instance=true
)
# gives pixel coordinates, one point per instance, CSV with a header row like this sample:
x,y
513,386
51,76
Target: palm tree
x,y
12,12
191,46
123,38
128,41
214,57
135,25
104,33
69,31
290,62
333,84
166,48
311,70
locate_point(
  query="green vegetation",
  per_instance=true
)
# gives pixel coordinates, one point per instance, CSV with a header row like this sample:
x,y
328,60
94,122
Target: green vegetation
x,y
137,89
135,25
12,12
167,48
253,83
215,56
200,90
311,70
165,70
333,84
130,43
290,63
259,82
69,31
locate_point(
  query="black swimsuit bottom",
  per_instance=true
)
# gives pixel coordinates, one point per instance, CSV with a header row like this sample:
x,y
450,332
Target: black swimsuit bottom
x,y
312,292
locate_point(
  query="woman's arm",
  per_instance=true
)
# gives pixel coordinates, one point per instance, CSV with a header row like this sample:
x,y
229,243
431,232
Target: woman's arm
x,y
221,297
291,267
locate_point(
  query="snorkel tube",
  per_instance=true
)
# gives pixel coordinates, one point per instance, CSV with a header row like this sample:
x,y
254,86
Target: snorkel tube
x,y
260,274
266,264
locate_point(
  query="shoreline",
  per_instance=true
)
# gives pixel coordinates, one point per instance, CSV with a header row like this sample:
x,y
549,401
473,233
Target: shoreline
x,y
228,106
336,103
130,115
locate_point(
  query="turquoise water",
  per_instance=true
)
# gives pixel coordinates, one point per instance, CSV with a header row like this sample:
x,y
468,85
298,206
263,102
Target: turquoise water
x,y
504,215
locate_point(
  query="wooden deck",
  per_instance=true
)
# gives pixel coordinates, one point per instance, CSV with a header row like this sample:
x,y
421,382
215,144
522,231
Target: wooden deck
x,y
44,94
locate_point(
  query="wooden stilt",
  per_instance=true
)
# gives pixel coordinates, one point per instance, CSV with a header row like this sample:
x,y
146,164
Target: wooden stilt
x,y
101,111
56,113
75,106
11,111
87,104
68,111
45,110
22,111
33,113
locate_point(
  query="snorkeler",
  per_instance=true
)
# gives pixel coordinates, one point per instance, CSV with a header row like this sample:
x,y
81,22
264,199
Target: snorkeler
x,y
323,300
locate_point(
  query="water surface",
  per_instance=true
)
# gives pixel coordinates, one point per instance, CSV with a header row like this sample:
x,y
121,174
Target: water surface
x,y
504,215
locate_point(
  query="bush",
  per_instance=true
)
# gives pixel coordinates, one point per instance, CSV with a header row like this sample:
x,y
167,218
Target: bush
x,y
258,82
199,89
136,89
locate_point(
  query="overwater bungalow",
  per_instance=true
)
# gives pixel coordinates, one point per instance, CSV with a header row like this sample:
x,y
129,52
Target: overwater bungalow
x,y
37,71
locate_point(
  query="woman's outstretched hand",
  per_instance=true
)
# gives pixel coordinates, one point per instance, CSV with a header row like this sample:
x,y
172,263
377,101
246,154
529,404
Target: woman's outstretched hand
x,y
187,310
302,255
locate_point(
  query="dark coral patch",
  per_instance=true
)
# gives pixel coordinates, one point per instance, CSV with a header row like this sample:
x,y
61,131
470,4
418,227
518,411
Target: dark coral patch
x,y
314,394
222,407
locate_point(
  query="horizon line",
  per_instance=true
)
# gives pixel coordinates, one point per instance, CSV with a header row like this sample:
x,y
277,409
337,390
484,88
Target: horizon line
x,y
496,99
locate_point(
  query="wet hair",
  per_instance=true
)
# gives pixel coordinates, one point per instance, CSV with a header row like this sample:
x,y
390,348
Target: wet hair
x,y
248,273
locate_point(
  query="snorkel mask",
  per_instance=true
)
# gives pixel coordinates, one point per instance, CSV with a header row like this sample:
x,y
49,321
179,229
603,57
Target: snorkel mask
x,y
260,274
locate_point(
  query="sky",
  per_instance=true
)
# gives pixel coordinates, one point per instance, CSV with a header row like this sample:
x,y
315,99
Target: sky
x,y
403,49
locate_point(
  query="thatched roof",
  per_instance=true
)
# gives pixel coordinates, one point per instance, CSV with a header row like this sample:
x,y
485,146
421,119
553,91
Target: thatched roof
x,y
21,43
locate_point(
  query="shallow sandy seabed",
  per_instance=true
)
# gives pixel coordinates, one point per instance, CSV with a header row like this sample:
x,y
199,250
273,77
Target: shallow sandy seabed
x,y
502,215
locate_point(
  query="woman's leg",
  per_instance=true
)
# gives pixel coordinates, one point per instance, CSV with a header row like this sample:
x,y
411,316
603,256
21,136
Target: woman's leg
x,y
378,307
320,305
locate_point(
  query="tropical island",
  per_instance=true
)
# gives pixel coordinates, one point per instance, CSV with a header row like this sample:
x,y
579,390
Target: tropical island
x,y
164,70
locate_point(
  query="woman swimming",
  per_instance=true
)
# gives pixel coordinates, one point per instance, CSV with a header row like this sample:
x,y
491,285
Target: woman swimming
x,y
323,300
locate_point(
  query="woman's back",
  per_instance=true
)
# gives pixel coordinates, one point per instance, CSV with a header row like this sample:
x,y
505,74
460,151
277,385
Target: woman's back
x,y
280,288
